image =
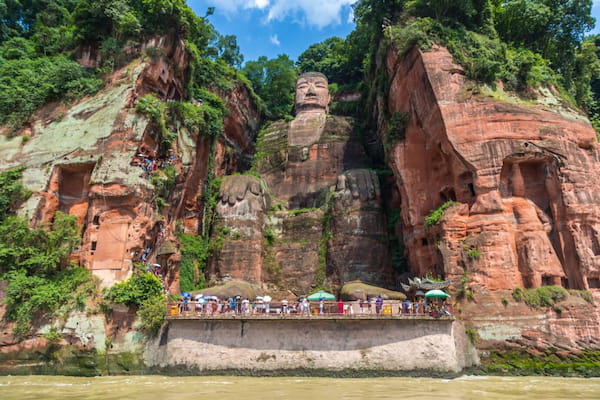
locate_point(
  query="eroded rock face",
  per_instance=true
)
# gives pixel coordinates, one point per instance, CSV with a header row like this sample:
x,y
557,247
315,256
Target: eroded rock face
x,y
524,176
96,160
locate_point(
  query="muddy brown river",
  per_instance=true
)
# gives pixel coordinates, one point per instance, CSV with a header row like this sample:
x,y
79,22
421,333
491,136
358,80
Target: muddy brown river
x,y
224,388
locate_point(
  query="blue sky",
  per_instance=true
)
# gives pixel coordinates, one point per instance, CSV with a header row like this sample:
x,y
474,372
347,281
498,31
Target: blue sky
x,y
273,27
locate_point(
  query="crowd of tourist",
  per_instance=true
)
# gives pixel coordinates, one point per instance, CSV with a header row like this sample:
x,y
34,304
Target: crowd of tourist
x,y
213,306
150,164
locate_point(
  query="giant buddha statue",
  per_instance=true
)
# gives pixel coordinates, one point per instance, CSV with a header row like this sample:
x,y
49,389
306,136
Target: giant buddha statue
x,y
326,218
311,105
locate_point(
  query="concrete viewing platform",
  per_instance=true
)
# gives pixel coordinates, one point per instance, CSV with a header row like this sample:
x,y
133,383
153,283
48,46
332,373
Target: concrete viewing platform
x,y
202,342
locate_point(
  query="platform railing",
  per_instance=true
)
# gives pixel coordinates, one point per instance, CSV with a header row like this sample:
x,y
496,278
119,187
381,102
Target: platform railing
x,y
353,309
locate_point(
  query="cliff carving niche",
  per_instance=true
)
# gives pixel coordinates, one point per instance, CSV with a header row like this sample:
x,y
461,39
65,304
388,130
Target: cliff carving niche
x,y
67,191
525,180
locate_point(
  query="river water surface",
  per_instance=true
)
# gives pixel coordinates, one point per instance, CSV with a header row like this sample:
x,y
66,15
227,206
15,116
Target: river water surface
x,y
225,388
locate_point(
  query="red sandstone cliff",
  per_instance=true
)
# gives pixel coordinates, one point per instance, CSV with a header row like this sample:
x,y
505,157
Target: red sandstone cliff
x,y
83,159
523,175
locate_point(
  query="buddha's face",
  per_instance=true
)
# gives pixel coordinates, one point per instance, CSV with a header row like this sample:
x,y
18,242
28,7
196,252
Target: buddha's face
x,y
312,93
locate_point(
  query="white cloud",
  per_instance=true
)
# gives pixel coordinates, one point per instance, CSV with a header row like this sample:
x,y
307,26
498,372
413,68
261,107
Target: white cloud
x,y
275,40
351,16
261,3
232,6
318,13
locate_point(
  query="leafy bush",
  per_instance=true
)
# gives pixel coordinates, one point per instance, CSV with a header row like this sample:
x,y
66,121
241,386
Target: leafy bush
x,y
396,129
205,118
194,254
41,251
525,69
485,58
28,297
12,192
156,110
544,296
435,215
472,334
270,237
135,291
34,262
152,314
53,335
518,294
584,294
416,32
164,181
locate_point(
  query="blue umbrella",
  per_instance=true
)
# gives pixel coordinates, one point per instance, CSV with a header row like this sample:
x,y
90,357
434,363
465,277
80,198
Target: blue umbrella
x,y
186,294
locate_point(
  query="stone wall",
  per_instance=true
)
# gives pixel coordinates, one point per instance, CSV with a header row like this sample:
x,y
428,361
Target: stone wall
x,y
314,344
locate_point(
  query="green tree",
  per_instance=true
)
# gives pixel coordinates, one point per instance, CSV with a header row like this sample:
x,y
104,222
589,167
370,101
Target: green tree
x,y
553,28
473,14
28,83
228,50
330,57
586,73
274,81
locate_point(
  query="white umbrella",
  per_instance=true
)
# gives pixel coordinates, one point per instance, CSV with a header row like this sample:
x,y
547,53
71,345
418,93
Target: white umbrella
x,y
267,299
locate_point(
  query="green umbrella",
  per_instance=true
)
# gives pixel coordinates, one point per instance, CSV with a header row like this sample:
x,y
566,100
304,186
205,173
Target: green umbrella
x,y
436,293
320,295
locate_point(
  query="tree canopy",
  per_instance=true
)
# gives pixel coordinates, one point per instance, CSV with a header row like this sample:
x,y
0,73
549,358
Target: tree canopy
x,y
274,81
523,42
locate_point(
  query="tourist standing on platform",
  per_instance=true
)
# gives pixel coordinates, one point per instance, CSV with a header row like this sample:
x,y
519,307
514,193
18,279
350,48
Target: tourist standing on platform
x,y
304,305
378,304
284,306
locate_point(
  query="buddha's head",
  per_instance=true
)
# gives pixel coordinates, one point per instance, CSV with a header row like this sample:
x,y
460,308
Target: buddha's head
x,y
312,93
